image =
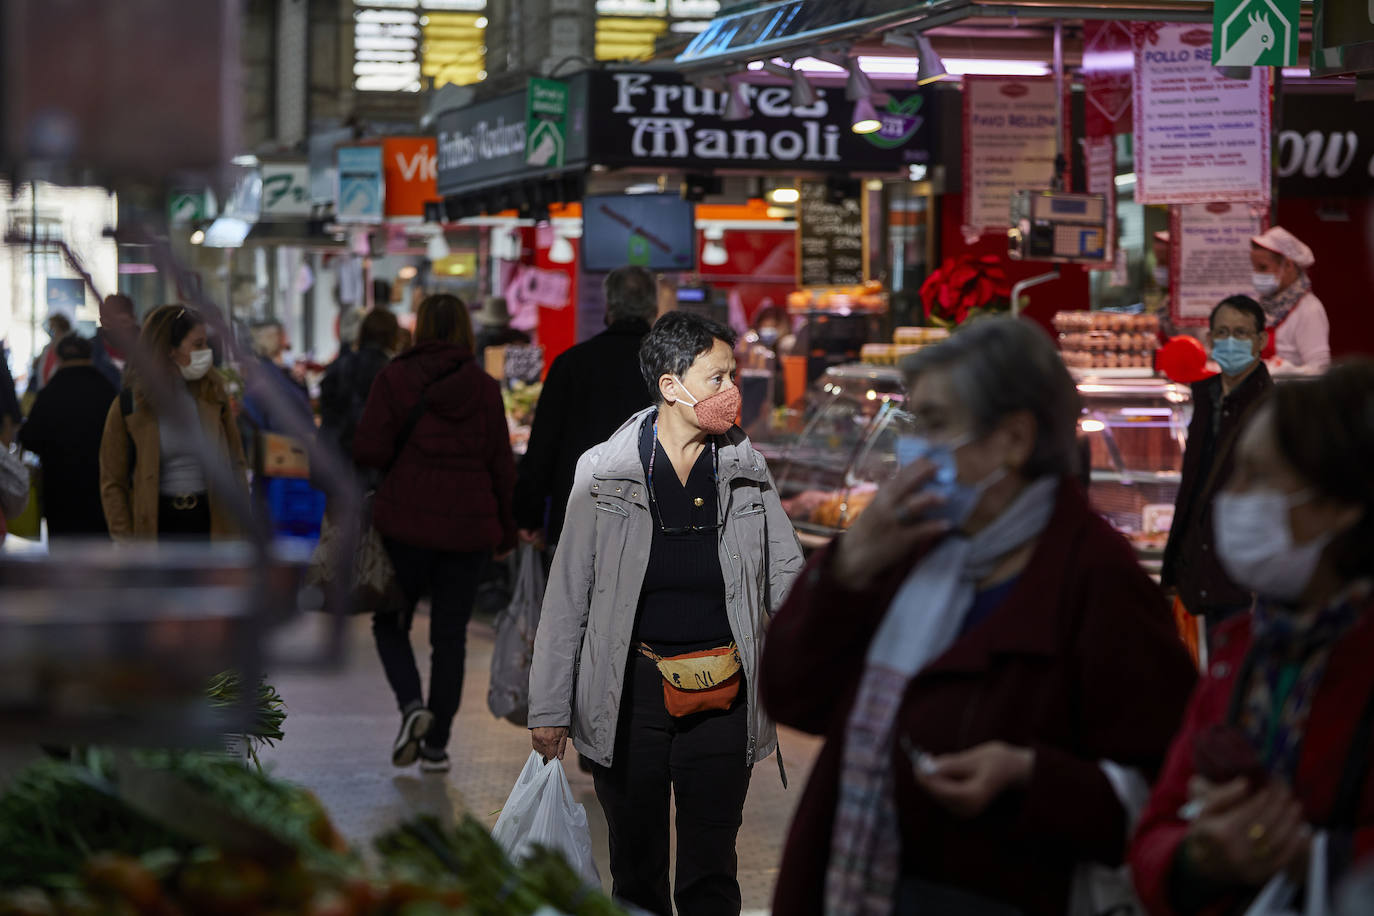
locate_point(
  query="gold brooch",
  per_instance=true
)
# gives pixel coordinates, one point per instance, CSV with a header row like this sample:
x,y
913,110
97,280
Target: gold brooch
x,y
698,502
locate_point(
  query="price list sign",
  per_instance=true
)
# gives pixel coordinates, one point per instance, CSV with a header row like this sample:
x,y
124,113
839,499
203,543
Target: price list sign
x,y
1211,256
1199,136
830,244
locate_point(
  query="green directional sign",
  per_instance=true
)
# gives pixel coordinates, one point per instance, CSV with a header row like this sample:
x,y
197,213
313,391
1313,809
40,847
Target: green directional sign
x,y
546,136
185,207
1255,33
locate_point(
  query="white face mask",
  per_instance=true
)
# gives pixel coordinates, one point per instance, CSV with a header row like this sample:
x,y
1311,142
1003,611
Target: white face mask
x,y
1255,543
1265,283
201,361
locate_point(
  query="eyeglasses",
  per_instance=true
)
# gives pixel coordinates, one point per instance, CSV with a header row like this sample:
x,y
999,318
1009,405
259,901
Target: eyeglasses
x,y
676,530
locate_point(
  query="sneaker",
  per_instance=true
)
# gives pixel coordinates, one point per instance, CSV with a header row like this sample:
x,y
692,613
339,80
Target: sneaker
x,y
433,761
415,724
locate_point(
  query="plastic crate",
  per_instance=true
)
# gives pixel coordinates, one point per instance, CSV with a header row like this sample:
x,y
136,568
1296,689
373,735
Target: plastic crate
x,y
295,506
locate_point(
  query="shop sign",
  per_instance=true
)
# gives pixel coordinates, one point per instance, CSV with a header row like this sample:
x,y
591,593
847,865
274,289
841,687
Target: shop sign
x,y
546,136
1210,256
1199,136
481,143
361,185
530,287
1010,128
1108,64
285,190
661,118
65,295
410,165
185,208
1255,33
830,238
1323,149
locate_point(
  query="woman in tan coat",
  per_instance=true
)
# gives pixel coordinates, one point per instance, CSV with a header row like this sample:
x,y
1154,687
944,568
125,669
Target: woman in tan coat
x,y
153,480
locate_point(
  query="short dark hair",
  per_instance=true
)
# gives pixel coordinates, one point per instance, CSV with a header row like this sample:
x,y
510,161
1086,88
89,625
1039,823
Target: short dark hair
x,y
57,320
378,329
1243,304
675,342
73,347
444,318
631,293
1325,430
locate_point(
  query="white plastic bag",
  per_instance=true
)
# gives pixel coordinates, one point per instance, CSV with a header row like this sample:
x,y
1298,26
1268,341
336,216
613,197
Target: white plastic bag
x,y
508,697
541,811
1276,899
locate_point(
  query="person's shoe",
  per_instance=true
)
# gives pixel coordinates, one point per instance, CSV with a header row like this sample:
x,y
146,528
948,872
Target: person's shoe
x,y
415,724
433,760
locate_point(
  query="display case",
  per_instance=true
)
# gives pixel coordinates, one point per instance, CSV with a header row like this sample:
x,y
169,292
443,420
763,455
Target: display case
x,y
830,458
1135,431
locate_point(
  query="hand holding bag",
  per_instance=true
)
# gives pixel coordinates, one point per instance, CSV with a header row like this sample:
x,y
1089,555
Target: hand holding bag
x,y
541,811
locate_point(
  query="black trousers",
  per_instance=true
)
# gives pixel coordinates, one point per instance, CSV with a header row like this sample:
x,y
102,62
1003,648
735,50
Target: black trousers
x,y
450,580
701,759
183,524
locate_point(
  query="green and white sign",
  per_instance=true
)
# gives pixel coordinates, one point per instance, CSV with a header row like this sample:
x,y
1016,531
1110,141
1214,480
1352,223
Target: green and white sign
x,y
285,190
1255,33
186,207
546,138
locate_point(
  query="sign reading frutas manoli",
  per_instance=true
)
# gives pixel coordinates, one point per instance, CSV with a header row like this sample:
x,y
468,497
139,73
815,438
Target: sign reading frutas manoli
x,y
658,116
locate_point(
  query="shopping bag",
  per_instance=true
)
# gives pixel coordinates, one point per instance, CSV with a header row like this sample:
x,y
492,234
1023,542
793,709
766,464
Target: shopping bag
x,y
373,586
541,811
508,697
1277,897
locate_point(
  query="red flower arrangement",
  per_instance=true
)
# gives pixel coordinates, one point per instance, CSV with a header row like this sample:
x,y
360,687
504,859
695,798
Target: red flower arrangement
x,y
963,286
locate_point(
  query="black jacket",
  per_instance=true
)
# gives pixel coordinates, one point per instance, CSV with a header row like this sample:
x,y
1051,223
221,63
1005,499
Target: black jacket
x,y
1190,558
343,393
589,392
64,430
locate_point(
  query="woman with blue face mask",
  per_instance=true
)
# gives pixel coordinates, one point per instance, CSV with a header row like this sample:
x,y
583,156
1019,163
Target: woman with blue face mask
x,y
988,664
1299,332
1276,748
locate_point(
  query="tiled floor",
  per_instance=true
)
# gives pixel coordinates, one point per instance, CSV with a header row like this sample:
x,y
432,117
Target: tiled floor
x,y
338,741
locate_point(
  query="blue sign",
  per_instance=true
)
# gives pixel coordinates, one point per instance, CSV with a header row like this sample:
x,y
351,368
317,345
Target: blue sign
x,y
361,185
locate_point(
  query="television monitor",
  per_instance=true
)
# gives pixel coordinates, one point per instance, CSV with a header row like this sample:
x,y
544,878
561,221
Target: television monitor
x,y
655,231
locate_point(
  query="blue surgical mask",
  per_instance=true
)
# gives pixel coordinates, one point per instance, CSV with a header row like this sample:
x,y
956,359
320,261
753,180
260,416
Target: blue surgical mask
x,y
959,499
769,336
1265,284
1233,355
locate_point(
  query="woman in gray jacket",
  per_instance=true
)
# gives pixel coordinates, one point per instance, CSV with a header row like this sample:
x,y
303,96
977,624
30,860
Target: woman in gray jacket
x,y
675,553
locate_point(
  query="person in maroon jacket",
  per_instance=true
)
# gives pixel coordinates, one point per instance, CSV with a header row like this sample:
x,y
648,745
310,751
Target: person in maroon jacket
x,y
1276,744
987,662
435,424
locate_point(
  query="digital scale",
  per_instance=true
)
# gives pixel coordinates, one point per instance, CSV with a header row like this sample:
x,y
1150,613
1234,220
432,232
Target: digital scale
x,y
1058,226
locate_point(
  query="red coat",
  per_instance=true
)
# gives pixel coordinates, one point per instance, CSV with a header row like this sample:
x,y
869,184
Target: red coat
x,y
1081,663
452,486
1344,690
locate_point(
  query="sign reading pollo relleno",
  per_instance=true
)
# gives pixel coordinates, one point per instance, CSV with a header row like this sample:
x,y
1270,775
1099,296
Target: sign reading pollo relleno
x,y
1199,136
1010,127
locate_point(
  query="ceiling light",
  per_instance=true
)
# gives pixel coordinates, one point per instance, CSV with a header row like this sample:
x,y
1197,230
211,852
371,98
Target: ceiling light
x,y
917,171
714,254
561,251
803,93
1126,180
865,117
197,237
856,85
784,195
407,272
737,102
436,249
247,160
930,69
648,187
481,22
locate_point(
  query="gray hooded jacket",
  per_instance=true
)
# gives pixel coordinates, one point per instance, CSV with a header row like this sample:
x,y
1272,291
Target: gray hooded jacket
x,y
583,643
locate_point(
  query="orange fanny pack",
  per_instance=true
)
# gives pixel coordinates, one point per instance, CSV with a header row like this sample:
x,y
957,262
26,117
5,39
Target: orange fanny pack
x,y
698,681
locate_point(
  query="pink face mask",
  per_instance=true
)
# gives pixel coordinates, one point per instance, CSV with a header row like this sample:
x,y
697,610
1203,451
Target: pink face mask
x,y
716,414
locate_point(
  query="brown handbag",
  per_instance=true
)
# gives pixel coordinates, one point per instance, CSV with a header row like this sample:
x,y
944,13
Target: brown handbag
x,y
698,681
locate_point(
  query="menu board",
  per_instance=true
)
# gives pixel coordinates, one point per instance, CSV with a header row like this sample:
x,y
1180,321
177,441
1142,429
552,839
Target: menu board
x,y
1009,145
830,238
1210,256
1199,136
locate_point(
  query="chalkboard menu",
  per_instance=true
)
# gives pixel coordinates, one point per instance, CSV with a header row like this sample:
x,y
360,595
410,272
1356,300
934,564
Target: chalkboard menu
x,y
829,238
